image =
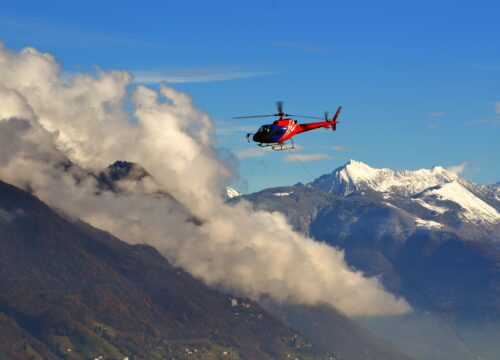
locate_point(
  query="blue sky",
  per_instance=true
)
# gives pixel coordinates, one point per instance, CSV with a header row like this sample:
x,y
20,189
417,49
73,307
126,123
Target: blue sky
x,y
419,81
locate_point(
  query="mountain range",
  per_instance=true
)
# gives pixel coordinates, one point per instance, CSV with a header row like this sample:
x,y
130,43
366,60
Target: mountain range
x,y
438,228
442,192
70,291
429,235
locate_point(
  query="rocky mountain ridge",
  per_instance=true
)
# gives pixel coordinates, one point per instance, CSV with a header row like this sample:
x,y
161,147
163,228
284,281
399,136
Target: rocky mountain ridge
x,y
449,200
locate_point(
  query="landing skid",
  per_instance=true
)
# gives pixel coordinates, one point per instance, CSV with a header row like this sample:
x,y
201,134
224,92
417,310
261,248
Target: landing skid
x,y
279,146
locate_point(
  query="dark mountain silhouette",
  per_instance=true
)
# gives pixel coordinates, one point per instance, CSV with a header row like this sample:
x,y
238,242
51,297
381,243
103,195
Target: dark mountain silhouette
x,y
68,290
120,170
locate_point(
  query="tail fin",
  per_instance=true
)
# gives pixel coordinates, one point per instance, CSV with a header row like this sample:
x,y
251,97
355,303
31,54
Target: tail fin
x,y
334,121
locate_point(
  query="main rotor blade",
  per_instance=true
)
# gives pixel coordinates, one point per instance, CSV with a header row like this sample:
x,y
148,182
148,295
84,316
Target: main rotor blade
x,y
279,105
304,116
252,116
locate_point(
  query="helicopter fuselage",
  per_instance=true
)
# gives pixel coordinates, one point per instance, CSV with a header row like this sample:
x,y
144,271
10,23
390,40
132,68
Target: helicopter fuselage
x,y
278,131
284,129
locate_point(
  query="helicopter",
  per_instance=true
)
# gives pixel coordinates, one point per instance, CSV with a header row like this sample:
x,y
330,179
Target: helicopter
x,y
280,131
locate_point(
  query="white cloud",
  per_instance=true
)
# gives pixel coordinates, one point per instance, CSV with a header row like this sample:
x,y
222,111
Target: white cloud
x,y
307,157
46,119
191,75
250,153
497,107
458,169
340,148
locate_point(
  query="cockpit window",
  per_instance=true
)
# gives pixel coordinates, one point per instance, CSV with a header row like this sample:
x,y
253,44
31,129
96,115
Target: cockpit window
x,y
265,129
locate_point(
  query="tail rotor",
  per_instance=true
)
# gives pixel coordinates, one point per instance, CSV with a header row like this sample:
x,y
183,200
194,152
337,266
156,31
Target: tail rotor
x,y
334,121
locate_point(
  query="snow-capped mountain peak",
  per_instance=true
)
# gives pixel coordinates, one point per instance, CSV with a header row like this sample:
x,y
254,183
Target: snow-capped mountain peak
x,y
356,175
231,193
432,189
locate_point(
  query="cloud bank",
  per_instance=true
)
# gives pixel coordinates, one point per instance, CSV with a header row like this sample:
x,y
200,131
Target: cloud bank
x,y
55,131
193,75
340,148
250,153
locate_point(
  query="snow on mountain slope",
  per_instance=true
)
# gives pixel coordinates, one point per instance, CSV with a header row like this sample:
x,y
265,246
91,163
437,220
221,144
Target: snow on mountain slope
x,y
283,193
356,175
231,193
432,207
429,188
429,224
473,208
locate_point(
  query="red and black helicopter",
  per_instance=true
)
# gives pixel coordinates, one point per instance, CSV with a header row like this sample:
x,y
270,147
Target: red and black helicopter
x,y
283,129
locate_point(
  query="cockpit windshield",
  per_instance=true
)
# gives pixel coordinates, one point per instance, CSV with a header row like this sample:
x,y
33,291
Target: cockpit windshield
x,y
266,129
272,130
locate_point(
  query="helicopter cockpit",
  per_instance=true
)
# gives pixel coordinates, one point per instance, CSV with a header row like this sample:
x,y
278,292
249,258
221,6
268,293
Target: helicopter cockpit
x,y
271,130
269,133
265,130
